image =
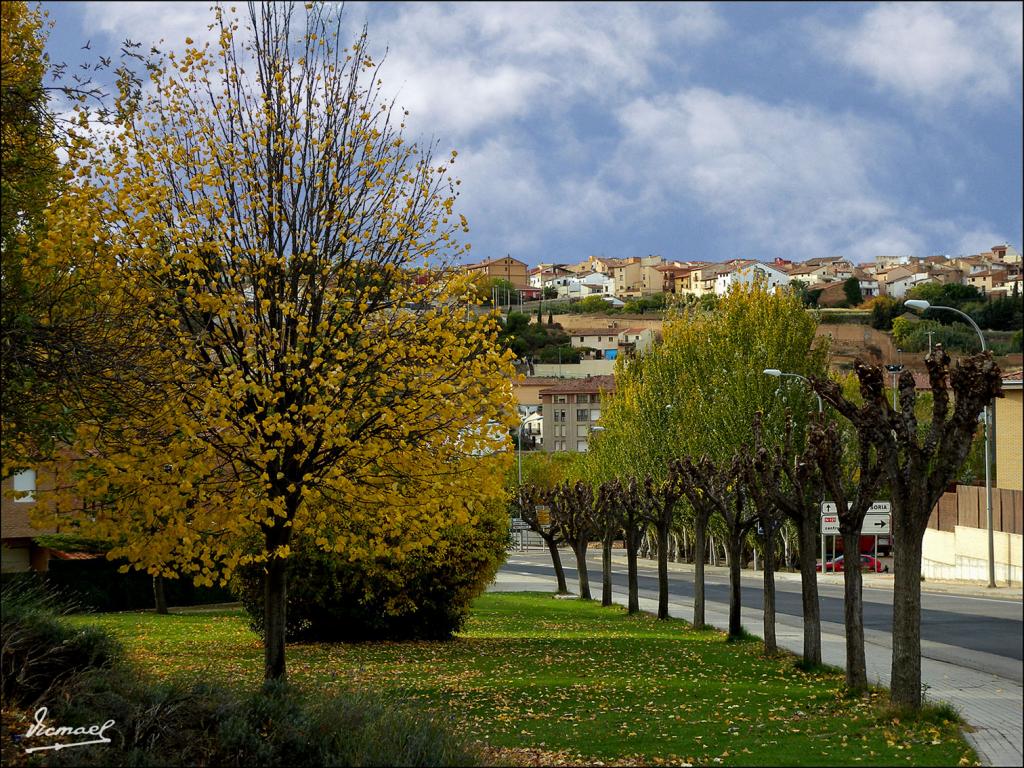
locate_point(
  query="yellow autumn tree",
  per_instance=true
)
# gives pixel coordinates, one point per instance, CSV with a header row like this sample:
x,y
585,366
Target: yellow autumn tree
x,y
322,371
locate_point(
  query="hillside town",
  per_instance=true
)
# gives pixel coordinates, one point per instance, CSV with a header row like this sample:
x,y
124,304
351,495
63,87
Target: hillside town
x,y
996,272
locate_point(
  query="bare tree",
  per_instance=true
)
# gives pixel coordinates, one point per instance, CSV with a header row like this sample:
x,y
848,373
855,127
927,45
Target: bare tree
x,y
769,518
573,508
702,507
792,481
919,461
661,505
852,501
609,525
723,489
631,508
529,499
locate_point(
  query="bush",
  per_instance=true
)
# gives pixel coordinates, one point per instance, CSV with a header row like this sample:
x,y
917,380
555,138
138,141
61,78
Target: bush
x,y
912,335
199,724
82,679
42,654
96,585
883,311
423,596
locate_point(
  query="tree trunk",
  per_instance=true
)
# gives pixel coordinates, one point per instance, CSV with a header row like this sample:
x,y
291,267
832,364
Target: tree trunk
x,y
556,560
906,620
663,572
807,533
159,597
632,544
698,574
735,622
275,604
770,646
606,571
580,550
853,613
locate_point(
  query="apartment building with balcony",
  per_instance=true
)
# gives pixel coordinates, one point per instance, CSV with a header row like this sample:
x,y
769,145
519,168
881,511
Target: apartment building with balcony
x,y
570,411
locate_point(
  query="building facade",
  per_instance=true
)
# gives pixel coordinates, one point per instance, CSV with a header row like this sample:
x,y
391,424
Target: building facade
x,y
570,410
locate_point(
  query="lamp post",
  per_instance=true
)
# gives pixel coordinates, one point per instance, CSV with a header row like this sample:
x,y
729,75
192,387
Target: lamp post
x,y
777,373
519,447
923,306
821,409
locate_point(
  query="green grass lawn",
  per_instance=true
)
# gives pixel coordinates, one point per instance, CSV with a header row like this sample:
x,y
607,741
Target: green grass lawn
x,y
544,679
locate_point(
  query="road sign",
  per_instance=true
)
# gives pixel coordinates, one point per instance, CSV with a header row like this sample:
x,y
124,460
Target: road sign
x,y
876,508
518,524
876,524
876,521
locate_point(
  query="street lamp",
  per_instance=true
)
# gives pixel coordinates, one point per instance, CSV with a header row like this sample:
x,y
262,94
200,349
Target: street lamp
x,y
519,447
777,373
923,306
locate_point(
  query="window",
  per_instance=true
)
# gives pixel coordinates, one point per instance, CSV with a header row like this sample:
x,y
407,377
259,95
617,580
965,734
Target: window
x,y
581,445
582,398
559,414
25,483
582,414
582,430
560,398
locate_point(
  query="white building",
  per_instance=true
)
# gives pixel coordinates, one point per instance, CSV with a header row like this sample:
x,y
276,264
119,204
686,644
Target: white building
x,y
747,273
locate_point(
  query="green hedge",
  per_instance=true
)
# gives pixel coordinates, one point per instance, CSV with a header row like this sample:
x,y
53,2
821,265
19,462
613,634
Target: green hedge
x,y
96,585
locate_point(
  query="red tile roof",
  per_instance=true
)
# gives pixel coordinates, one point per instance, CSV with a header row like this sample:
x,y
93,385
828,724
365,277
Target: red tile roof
x,y
592,384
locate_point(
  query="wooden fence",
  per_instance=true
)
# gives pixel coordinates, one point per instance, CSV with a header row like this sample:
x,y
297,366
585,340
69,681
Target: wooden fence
x,y
966,506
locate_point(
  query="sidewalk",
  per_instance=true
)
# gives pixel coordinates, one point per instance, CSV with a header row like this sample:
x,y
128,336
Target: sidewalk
x,y
990,704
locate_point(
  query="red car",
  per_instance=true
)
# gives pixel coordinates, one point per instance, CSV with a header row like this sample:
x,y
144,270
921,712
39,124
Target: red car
x,y
867,563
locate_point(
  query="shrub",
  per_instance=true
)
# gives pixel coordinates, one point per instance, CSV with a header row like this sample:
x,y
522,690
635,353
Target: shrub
x,y
883,310
423,596
199,724
82,675
41,654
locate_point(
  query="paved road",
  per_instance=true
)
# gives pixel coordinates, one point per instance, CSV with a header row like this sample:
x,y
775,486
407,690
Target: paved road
x,y
990,629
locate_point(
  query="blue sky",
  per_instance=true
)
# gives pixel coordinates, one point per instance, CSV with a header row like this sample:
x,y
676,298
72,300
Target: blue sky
x,y
691,130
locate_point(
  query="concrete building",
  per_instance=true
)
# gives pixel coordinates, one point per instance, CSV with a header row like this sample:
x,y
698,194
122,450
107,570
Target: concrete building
x,y
504,268
571,409
746,272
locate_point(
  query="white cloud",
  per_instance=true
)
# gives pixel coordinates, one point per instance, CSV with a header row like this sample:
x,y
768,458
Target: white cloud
x,y
465,67
148,23
933,54
509,194
786,177
977,241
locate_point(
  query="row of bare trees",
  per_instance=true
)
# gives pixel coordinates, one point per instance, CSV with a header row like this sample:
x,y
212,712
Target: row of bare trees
x,y
773,481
